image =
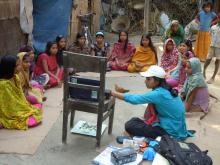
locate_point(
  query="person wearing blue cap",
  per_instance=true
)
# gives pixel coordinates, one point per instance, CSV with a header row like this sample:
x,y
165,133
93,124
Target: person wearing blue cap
x,y
100,47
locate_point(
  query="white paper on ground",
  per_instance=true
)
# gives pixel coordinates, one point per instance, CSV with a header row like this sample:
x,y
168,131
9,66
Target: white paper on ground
x,y
160,160
104,158
86,128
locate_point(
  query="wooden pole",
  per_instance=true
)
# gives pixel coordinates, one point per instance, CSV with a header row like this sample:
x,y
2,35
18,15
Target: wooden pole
x,y
218,4
146,15
96,18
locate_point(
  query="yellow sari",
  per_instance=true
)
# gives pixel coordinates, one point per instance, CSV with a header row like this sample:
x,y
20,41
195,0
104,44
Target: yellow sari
x,y
144,56
24,78
14,108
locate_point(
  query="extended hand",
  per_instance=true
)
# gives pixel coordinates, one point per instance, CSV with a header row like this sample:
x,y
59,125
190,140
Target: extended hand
x,y
120,89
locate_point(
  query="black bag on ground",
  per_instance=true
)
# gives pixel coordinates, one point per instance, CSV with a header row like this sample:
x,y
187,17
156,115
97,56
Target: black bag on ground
x,y
181,153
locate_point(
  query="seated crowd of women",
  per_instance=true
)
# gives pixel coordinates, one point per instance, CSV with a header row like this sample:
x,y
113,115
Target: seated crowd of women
x,y
24,79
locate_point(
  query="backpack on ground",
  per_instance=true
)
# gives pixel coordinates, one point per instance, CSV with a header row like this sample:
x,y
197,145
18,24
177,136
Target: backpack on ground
x,y
181,153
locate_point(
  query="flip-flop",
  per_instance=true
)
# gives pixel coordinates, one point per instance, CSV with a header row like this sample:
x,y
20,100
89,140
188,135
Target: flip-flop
x,y
120,139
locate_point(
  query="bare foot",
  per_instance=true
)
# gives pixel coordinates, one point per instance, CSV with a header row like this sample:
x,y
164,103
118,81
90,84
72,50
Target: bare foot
x,y
210,81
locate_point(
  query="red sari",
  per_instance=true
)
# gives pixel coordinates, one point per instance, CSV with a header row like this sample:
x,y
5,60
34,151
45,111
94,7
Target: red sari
x,y
52,67
120,59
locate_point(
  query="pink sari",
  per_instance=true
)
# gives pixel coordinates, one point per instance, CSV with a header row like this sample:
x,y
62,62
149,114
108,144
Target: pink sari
x,y
119,58
169,60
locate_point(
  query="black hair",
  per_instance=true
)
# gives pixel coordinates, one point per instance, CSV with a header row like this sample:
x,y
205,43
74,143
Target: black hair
x,y
151,45
7,66
163,84
126,42
58,38
206,4
48,47
26,48
188,43
78,36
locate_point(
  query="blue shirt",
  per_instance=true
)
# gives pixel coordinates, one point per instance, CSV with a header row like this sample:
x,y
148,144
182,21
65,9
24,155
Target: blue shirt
x,y
205,20
171,112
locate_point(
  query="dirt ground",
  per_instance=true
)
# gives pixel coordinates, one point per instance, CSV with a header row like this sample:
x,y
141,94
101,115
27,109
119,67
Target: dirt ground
x,y
80,150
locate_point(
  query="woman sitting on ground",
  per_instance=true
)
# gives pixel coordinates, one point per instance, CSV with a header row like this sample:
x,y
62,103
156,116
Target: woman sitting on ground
x,y
61,45
33,93
15,111
122,53
177,76
145,56
169,58
168,106
195,91
47,63
30,51
79,46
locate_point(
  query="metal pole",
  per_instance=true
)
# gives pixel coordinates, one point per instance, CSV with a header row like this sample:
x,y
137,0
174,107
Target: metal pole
x,y
146,15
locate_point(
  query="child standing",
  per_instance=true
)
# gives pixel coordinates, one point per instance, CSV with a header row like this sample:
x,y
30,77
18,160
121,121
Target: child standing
x,y
205,18
214,50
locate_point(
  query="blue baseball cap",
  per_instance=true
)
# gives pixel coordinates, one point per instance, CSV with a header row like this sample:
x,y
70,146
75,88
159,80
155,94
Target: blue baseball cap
x,y
99,34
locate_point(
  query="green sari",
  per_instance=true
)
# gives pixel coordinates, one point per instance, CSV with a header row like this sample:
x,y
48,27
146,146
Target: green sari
x,y
195,79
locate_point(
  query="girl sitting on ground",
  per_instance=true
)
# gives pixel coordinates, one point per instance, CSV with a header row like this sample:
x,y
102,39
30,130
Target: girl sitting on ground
x,y
122,53
169,58
47,63
15,111
177,76
145,56
33,93
195,90
79,46
168,105
61,45
30,51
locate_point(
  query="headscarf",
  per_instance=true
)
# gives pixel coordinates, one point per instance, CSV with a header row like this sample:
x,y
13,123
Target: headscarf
x,y
169,31
169,60
23,75
195,79
177,36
